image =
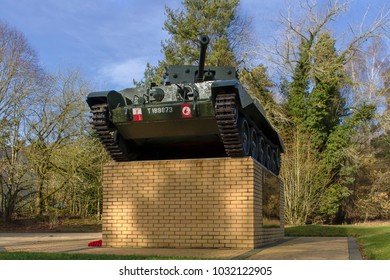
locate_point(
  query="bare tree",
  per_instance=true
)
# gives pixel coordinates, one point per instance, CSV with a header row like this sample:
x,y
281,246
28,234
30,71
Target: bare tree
x,y
15,173
19,70
57,118
20,77
49,161
309,21
367,70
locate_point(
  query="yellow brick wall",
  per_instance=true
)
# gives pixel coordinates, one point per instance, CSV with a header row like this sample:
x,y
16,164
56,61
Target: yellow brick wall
x,y
197,203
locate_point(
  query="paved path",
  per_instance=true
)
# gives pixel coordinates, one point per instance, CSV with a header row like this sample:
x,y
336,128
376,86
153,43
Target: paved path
x,y
291,248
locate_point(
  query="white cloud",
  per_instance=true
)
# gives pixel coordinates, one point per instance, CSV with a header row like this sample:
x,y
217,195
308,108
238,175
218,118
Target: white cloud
x,y
121,74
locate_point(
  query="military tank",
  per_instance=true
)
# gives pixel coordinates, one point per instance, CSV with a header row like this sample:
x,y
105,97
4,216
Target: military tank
x,y
197,112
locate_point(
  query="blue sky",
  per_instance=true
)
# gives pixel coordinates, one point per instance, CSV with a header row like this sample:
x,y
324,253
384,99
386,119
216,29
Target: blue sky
x,y
111,41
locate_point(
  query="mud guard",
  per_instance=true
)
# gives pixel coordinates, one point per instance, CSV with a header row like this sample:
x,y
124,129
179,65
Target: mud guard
x,y
112,98
228,86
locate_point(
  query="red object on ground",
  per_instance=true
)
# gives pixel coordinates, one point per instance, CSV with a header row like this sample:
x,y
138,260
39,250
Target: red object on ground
x,y
97,243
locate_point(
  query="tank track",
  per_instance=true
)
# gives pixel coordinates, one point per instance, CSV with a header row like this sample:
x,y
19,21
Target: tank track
x,y
227,116
107,135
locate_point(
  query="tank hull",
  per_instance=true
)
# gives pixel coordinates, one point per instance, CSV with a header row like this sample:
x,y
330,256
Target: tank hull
x,y
166,132
156,122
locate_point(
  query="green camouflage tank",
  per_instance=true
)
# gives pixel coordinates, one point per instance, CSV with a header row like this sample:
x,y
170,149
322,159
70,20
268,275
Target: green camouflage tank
x,y
198,112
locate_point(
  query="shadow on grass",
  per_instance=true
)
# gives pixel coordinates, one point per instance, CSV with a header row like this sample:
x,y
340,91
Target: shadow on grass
x,y
316,230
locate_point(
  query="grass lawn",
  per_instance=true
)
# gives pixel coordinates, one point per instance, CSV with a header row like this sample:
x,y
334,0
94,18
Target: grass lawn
x,y
62,256
374,240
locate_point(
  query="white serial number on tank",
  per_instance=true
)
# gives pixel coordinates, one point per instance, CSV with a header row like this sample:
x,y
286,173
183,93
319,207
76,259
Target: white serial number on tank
x,y
160,110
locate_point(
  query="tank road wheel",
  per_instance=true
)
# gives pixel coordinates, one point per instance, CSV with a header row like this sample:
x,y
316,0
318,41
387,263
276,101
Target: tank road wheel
x,y
277,161
273,160
262,151
254,143
245,137
267,162
114,144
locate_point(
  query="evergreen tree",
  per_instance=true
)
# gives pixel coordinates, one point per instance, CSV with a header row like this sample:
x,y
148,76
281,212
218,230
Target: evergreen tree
x,y
325,104
298,89
318,111
211,17
258,85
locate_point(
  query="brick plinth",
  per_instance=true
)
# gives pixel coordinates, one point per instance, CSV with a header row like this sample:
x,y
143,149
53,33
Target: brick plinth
x,y
196,203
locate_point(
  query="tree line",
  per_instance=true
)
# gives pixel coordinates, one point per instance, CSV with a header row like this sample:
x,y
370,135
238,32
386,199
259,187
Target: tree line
x,y
50,165
329,101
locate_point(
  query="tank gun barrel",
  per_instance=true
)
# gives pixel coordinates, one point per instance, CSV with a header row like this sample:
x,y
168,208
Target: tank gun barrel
x,y
204,41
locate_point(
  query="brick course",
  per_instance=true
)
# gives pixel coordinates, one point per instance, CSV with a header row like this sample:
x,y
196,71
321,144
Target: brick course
x,y
196,203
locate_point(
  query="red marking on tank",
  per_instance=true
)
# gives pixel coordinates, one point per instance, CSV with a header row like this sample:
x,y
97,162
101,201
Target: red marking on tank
x,y
186,111
137,114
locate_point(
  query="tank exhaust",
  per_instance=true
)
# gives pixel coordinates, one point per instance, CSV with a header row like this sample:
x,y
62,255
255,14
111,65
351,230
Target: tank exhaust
x,y
204,41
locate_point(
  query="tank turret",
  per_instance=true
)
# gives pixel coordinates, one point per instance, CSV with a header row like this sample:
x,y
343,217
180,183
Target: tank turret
x,y
200,111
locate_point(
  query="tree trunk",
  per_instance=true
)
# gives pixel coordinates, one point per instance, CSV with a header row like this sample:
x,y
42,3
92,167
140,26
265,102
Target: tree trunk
x,y
40,204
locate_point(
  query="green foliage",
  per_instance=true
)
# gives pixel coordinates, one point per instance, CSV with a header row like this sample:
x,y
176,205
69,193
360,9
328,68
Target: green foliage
x,y
258,83
221,53
320,109
79,176
341,138
317,107
211,17
330,202
298,88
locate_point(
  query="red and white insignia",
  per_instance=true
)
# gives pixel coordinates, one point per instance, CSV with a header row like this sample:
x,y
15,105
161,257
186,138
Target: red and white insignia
x,y
186,111
137,114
